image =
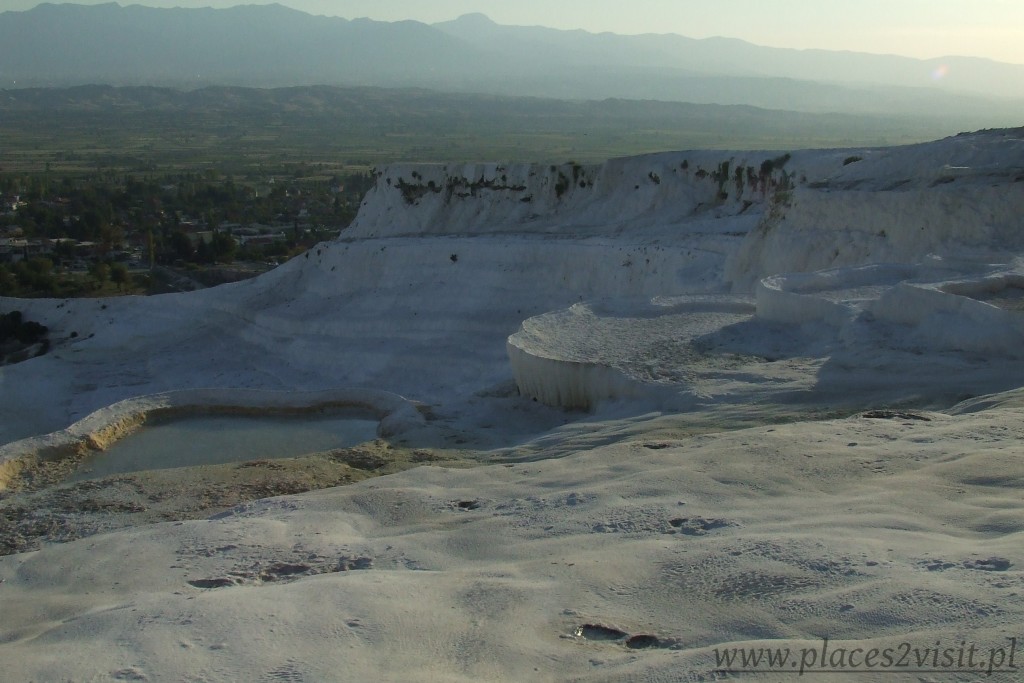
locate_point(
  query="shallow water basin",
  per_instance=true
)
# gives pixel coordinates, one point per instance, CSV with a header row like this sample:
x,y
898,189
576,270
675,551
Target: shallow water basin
x,y
218,439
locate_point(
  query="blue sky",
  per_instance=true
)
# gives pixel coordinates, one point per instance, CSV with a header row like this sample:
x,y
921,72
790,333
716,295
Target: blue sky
x,y
916,28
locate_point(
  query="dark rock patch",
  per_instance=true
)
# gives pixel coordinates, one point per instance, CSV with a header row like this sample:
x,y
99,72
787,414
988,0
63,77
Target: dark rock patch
x,y
220,582
894,415
643,642
346,564
599,632
697,526
281,570
992,564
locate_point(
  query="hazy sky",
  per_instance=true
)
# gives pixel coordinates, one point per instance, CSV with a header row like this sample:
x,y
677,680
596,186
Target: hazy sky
x,y
917,28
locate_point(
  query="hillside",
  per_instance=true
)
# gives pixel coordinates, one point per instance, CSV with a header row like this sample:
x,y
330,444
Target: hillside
x,y
446,251
663,408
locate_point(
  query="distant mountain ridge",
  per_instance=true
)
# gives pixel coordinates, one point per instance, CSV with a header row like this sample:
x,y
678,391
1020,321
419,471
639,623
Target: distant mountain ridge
x,y
733,57
246,45
274,46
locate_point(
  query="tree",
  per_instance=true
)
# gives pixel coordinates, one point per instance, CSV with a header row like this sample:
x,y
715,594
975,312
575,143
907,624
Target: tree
x,y
119,275
181,245
64,251
203,253
111,236
223,247
151,247
89,225
8,283
100,272
36,274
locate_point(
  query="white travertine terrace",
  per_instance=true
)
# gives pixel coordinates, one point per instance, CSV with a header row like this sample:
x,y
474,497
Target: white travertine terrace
x,y
838,305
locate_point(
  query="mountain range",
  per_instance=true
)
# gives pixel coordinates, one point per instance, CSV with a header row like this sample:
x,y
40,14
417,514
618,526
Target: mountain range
x,y
274,46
